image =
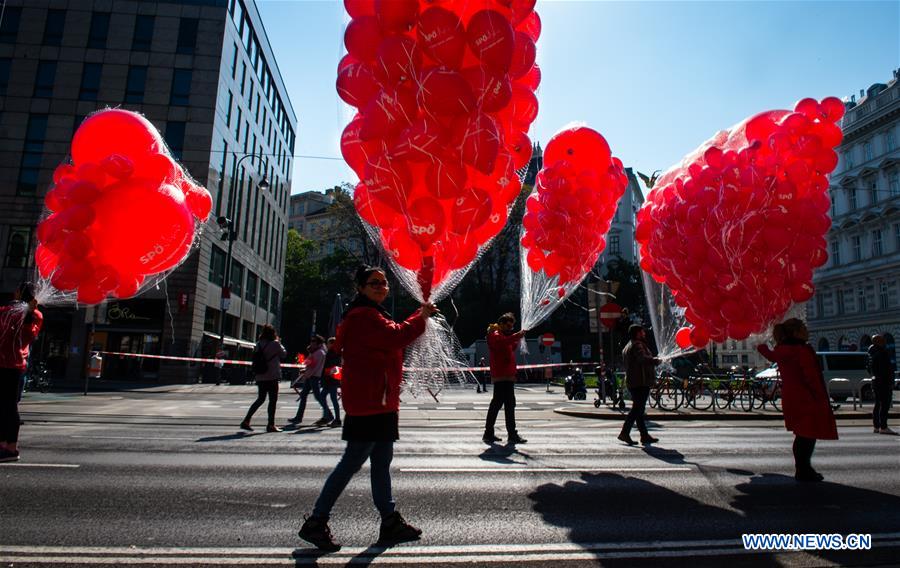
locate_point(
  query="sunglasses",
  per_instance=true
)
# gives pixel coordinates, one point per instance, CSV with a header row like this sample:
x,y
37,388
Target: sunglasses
x,y
378,283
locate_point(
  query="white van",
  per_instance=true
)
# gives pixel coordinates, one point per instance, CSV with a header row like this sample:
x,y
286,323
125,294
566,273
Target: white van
x,y
845,374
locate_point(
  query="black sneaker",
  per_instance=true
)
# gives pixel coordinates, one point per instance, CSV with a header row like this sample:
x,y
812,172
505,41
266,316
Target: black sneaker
x,y
324,421
490,439
294,420
648,439
394,528
626,438
246,426
8,456
316,532
809,476
334,423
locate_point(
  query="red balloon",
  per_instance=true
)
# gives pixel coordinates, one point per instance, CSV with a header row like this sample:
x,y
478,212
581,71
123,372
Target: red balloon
x,y
402,248
388,181
114,131
481,143
159,226
442,35
421,141
445,92
578,145
362,38
523,55
471,210
373,211
359,8
683,337
356,84
398,59
389,112
426,221
355,151
520,147
396,16
531,25
532,79
490,37
198,200
446,179
493,91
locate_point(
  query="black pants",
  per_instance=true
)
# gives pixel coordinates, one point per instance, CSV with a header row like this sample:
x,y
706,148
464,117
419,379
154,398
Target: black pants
x,y
639,396
9,405
803,451
883,396
269,388
505,396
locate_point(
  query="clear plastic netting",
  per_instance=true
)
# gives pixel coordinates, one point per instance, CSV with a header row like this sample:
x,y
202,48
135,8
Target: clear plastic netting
x,y
666,318
567,217
119,217
737,228
445,96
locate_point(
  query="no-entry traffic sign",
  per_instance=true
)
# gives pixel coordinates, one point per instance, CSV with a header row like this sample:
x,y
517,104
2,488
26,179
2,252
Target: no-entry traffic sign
x,y
610,314
547,339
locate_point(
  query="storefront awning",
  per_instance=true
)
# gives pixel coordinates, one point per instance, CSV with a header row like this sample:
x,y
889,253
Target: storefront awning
x,y
231,340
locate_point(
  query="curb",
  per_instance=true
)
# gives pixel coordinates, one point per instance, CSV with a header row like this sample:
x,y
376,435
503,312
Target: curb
x,y
734,416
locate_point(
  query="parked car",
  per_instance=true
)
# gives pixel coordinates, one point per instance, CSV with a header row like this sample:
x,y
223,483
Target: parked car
x,y
845,374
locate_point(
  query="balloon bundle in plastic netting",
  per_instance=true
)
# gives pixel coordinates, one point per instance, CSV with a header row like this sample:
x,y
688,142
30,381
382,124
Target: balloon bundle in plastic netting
x,y
567,217
445,97
121,215
737,228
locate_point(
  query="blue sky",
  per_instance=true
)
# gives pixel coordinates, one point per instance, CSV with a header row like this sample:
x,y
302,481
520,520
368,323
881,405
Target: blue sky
x,y
655,78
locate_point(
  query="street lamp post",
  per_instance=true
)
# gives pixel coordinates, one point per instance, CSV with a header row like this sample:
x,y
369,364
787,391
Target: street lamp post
x,y
228,225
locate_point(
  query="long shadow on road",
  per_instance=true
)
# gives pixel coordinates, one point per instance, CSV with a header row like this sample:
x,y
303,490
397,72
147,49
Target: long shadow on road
x,y
614,509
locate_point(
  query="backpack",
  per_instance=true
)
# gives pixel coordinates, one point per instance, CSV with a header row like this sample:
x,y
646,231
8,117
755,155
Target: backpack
x,y
258,363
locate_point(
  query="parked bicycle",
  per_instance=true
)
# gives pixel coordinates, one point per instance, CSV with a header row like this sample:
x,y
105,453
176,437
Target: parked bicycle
x,y
667,394
766,391
697,393
38,378
735,392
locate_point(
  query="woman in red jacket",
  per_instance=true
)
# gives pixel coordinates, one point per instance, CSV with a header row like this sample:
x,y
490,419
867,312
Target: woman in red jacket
x,y
502,344
807,410
371,344
20,323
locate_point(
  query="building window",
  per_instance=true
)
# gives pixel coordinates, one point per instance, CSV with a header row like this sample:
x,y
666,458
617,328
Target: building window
x,y
243,77
237,278
175,137
90,81
839,302
252,284
873,193
217,266
221,191
861,299
237,130
5,64
884,295
273,305
851,198
820,303
247,331
17,247
857,248
835,253
187,36
894,184
263,295
228,110
181,87
143,33
889,143
897,236
877,245
46,76
211,320
32,154
9,25
867,150
848,157
134,86
54,26
99,30
234,62
614,244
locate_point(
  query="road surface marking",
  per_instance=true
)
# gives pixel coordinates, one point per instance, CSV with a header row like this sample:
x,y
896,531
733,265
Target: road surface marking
x,y
127,437
20,464
501,469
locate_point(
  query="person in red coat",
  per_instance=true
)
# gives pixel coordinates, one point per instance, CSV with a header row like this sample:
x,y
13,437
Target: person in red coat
x,y
807,410
20,323
371,345
502,343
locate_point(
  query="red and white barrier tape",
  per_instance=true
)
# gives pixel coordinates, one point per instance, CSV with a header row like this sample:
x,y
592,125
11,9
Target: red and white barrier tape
x,y
301,366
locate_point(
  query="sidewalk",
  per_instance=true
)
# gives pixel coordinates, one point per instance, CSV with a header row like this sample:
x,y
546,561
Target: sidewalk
x,y
587,410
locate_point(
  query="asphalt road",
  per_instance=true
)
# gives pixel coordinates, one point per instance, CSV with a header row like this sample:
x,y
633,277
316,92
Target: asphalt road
x,y
163,478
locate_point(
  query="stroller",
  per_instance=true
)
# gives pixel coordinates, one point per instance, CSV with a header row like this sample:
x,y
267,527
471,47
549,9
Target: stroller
x,y
609,391
575,387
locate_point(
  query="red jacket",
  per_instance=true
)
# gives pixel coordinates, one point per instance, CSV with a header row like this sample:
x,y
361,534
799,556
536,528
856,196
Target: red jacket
x,y
16,335
503,357
807,409
372,349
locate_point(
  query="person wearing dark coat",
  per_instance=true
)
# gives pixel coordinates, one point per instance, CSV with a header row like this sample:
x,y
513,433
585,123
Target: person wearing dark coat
x,y
804,397
640,374
267,382
502,342
371,345
882,384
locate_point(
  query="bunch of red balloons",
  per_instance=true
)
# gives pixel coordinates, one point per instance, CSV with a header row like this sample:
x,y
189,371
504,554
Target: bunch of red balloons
x,y
737,229
121,211
445,97
569,214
